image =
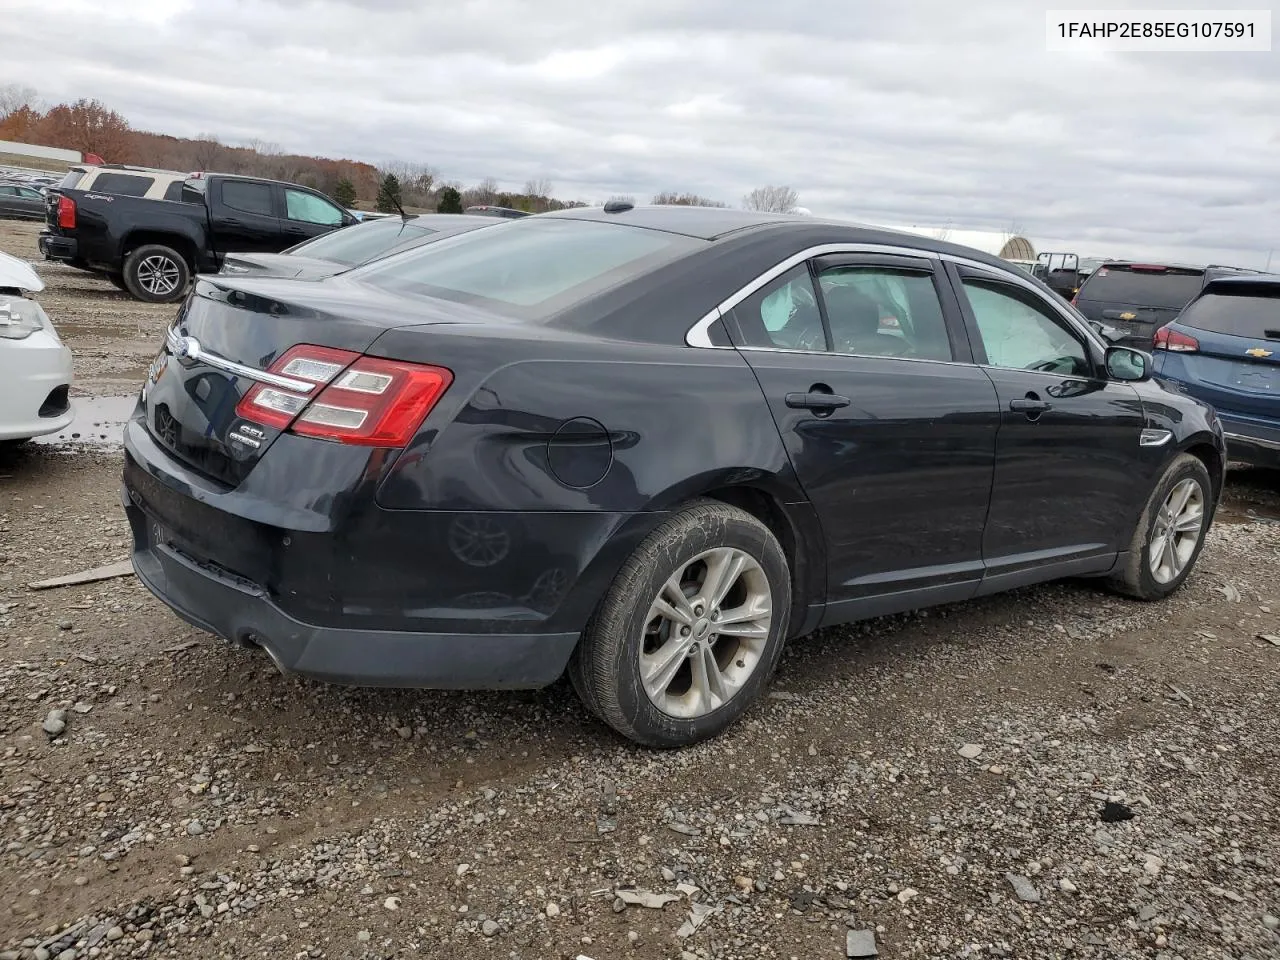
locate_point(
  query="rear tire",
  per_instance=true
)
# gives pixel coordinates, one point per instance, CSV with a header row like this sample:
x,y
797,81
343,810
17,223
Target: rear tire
x,y
1167,532
155,273
672,681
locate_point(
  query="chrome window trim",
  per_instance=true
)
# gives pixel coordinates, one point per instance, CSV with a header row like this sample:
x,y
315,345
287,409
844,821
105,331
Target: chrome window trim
x,y
189,348
699,334
1241,438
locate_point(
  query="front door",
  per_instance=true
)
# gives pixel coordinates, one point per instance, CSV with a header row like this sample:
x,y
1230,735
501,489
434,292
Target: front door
x,y
893,442
1065,495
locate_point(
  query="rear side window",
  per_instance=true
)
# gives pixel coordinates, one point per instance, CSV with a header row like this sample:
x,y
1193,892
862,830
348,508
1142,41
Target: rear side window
x,y
884,312
173,191
247,197
530,268
1253,312
122,184
70,180
1169,288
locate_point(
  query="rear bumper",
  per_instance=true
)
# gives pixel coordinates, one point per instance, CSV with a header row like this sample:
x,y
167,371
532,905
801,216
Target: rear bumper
x,y
54,247
1252,442
241,612
299,560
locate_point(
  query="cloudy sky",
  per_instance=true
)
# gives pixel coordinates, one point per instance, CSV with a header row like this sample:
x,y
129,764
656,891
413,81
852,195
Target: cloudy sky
x,y
896,111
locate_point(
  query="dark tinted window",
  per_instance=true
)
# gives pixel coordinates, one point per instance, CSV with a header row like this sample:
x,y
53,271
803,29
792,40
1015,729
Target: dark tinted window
x,y
363,242
1253,312
1169,288
123,184
783,313
247,197
29,193
70,180
173,191
529,268
884,312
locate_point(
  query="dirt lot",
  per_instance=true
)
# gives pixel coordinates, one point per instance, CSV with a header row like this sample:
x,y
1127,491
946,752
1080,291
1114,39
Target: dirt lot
x,y
199,804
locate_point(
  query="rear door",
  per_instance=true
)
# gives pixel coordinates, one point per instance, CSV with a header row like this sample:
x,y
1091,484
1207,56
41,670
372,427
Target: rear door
x,y
244,218
1137,299
892,440
1063,499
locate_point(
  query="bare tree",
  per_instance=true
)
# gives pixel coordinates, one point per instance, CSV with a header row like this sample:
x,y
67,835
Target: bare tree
x,y
486,191
416,179
771,199
670,198
15,96
539,188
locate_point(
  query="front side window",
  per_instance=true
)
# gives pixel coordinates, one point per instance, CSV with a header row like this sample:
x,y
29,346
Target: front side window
x,y
309,208
784,314
247,197
881,311
1021,334
29,193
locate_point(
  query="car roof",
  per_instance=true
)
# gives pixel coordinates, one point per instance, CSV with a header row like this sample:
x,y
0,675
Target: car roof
x,y
1243,280
720,223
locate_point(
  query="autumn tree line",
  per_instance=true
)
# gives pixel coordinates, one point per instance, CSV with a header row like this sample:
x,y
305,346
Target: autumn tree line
x,y
89,126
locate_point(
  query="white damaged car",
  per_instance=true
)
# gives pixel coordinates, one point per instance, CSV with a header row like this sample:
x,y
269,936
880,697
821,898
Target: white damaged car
x,y
35,365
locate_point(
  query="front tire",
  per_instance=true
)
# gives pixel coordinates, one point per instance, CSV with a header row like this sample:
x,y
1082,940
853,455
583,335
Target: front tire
x,y
155,273
690,630
1171,532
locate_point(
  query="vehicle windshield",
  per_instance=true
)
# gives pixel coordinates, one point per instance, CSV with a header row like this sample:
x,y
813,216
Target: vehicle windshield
x,y
363,242
1252,311
1170,288
531,268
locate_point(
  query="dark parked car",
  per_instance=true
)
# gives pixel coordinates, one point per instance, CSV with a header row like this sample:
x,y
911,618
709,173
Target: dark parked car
x,y
1224,349
341,250
21,202
151,248
1139,298
649,445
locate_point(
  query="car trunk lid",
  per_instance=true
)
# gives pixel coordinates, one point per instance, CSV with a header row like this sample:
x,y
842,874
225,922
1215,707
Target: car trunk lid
x,y
226,336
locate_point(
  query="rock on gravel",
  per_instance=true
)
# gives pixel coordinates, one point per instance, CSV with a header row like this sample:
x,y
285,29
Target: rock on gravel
x,y
1023,888
860,943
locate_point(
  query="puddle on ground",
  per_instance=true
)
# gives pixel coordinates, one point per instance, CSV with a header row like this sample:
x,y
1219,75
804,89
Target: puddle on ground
x,y
99,422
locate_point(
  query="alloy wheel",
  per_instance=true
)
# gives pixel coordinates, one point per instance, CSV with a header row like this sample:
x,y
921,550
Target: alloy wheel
x,y
1176,531
158,275
705,633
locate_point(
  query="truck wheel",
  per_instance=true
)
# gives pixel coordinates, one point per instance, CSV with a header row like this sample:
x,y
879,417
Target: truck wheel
x,y
156,274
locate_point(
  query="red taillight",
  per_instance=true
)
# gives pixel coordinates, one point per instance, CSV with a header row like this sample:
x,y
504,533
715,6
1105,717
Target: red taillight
x,y
66,213
355,399
1178,342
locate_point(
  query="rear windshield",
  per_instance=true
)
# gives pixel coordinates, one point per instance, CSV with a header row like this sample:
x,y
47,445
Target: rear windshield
x,y
1252,312
1168,288
123,184
70,180
531,268
363,242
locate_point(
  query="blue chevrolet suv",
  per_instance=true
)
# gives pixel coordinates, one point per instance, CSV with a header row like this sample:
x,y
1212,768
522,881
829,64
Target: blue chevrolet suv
x,y
1224,349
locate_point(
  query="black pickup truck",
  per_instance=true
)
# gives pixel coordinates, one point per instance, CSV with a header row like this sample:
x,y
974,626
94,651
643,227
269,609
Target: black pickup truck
x,y
152,248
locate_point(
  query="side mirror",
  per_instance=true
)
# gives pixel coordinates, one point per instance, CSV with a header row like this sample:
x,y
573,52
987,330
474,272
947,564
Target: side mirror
x,y
1128,365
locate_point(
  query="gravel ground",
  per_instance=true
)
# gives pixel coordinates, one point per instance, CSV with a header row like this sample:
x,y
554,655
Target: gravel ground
x,y
1051,773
